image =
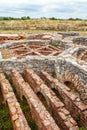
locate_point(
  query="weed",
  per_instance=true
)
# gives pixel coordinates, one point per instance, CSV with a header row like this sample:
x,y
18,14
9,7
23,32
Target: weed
x,y
82,128
54,73
77,118
55,45
5,120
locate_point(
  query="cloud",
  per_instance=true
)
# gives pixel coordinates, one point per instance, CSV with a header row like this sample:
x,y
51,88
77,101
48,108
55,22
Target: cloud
x,y
44,8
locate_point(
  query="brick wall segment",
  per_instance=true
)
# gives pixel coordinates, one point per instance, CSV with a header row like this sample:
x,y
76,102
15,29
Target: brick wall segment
x,y
71,101
55,106
41,116
12,36
18,119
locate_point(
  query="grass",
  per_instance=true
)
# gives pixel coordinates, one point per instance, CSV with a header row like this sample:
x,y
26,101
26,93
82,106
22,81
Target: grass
x,y
82,128
25,108
33,24
54,73
42,99
5,120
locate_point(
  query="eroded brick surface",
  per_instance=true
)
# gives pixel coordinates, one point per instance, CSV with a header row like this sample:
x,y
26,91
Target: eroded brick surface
x,y
41,116
56,107
71,66
33,49
18,120
11,36
71,101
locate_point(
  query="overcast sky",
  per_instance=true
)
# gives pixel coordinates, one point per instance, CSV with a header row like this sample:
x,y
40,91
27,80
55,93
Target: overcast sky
x,y
44,8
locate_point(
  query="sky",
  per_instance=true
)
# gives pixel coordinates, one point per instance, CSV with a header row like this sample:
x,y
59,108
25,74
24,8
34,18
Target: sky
x,y
44,8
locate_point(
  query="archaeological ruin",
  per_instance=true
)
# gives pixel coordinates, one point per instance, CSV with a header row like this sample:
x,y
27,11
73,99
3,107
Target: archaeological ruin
x,y
45,74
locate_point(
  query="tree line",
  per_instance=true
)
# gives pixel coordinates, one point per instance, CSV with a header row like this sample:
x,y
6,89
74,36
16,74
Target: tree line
x,y
28,17
12,18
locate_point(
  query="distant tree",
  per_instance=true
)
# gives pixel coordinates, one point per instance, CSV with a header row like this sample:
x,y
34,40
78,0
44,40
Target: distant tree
x,y
12,18
53,18
5,18
78,19
74,19
28,17
71,19
43,18
25,18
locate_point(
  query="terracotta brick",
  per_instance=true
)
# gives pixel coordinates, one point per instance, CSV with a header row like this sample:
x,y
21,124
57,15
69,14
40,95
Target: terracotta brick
x,y
70,99
39,112
54,103
14,107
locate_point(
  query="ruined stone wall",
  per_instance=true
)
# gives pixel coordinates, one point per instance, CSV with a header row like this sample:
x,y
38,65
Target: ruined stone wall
x,y
10,43
68,71
60,63
80,40
36,63
65,65
72,69
67,34
69,67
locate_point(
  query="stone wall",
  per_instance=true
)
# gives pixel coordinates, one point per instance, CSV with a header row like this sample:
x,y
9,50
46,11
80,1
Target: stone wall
x,y
80,40
74,70
67,34
35,62
10,43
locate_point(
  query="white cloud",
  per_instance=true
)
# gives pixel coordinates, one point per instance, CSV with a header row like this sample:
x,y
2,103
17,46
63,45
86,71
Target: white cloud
x,y
46,8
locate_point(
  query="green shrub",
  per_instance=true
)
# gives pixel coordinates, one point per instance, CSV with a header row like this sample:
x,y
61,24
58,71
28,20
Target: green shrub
x,y
54,73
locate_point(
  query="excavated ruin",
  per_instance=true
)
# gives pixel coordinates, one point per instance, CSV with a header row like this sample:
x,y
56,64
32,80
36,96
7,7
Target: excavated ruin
x,y
50,78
